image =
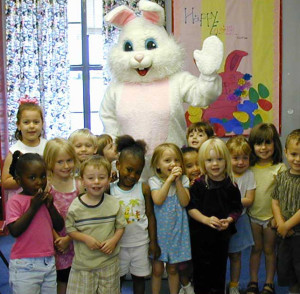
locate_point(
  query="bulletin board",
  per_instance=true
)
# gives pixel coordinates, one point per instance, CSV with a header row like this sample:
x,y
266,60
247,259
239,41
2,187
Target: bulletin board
x,y
251,71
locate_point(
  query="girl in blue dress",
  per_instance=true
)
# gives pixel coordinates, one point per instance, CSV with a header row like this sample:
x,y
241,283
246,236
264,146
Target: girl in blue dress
x,y
170,194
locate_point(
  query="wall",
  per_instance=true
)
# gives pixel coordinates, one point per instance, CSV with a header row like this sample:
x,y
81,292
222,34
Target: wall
x,y
290,111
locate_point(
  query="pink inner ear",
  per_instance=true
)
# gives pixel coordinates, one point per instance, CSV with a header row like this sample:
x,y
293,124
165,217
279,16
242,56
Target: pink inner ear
x,y
151,16
123,18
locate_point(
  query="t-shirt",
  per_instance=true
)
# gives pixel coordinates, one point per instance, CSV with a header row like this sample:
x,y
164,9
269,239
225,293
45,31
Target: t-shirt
x,y
37,240
245,183
265,176
287,192
134,209
99,221
19,145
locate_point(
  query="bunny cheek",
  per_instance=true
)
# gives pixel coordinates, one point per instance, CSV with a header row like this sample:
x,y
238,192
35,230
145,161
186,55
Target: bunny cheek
x,y
142,72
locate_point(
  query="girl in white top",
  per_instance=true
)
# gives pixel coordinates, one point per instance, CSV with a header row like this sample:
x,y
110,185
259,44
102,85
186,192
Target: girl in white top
x,y
30,121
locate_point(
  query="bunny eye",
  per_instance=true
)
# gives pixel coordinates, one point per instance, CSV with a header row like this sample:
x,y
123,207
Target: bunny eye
x,y
150,44
128,46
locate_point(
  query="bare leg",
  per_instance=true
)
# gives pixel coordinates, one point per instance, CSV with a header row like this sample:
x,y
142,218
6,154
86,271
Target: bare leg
x,y
235,266
184,273
269,238
157,272
256,251
61,287
173,278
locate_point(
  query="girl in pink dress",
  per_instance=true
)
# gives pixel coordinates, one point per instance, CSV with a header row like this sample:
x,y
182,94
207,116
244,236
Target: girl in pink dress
x,y
61,161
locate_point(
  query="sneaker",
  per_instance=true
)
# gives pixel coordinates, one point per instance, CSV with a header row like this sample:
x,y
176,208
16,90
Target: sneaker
x,y
234,290
189,289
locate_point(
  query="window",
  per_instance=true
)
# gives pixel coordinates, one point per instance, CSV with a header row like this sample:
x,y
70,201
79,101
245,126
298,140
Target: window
x,y
87,87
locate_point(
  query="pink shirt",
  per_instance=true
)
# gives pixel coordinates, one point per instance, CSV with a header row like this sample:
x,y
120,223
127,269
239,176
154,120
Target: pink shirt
x,y
62,201
37,240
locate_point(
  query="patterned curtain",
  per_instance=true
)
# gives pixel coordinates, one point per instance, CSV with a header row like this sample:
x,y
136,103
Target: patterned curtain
x,y
37,65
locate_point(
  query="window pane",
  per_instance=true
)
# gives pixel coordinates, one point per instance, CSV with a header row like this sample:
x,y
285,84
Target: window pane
x,y
77,121
75,46
95,49
76,91
97,89
74,10
96,124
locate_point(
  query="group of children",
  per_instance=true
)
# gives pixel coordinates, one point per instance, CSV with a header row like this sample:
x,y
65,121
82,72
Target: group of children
x,y
204,202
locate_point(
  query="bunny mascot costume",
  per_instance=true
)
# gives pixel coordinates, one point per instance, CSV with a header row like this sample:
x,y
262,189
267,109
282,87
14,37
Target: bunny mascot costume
x,y
145,99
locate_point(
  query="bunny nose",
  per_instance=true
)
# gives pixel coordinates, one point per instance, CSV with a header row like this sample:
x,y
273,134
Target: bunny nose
x,y
139,57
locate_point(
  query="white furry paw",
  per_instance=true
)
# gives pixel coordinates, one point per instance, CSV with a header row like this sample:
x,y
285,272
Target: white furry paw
x,y
209,59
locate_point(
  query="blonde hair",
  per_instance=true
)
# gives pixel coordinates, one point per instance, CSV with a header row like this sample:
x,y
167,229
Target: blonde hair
x,y
294,135
96,161
239,145
54,147
220,148
83,133
158,152
102,141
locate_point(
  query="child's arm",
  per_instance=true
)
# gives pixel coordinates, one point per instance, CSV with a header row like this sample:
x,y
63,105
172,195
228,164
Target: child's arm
x,y
109,245
248,200
8,181
19,226
61,243
212,221
90,241
182,192
284,228
154,249
159,196
57,220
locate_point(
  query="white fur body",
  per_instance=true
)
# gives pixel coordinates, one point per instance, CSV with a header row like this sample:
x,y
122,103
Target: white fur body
x,y
148,58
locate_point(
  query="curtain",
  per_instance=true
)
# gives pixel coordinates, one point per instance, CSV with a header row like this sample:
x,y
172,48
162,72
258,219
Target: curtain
x,y
37,65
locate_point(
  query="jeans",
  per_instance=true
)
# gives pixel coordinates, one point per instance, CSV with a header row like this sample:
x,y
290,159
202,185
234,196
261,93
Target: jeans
x,y
33,275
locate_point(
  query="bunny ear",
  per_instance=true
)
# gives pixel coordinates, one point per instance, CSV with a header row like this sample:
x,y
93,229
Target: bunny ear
x,y
120,16
233,60
152,12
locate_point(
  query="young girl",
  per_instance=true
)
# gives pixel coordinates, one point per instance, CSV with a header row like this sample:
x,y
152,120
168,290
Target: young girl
x,y
170,194
31,216
240,152
61,160
139,239
30,122
198,133
214,207
191,163
266,164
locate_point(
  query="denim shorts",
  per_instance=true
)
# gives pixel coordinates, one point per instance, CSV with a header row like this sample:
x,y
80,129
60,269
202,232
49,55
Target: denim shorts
x,y
33,275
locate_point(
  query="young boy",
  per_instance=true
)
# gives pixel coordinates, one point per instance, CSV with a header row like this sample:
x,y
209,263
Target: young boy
x,y
96,223
191,163
240,151
198,133
286,210
84,142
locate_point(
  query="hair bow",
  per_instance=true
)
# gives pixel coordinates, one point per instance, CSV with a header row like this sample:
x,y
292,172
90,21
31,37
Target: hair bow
x,y
26,99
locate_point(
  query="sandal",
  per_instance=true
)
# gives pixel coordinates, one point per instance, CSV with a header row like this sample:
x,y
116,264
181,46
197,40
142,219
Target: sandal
x,y
252,287
269,289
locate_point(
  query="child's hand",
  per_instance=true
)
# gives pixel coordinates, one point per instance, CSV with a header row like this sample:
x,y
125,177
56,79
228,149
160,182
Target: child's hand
x,y
224,224
38,199
62,244
108,246
92,243
283,231
154,250
175,173
213,222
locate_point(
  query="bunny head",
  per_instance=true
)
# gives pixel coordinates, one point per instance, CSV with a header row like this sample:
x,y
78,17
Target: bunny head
x,y
145,52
